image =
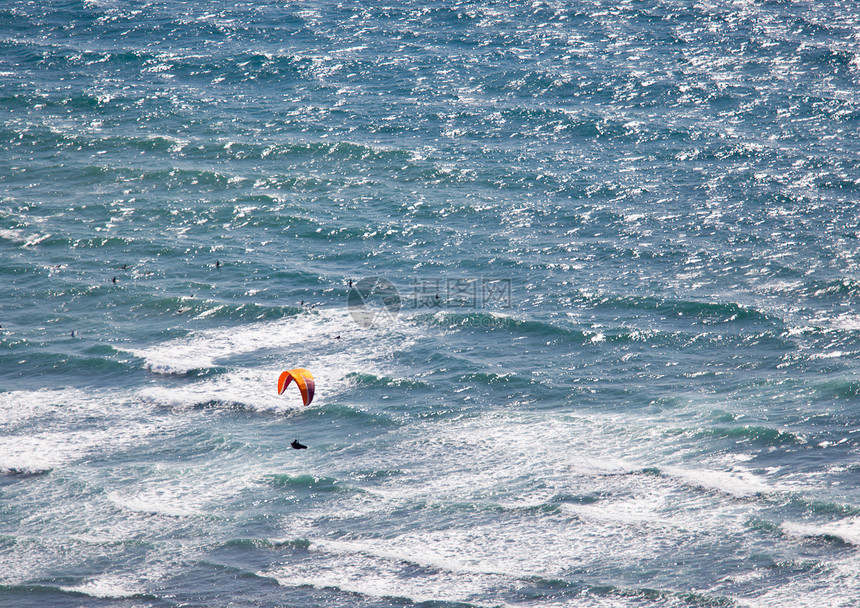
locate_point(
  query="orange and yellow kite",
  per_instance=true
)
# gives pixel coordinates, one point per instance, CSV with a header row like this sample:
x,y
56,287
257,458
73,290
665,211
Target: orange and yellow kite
x,y
304,380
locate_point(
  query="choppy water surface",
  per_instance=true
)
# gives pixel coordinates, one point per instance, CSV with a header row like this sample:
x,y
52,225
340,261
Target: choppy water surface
x,y
623,365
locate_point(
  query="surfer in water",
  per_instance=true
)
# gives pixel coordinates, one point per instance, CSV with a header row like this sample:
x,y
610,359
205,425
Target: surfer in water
x,y
298,446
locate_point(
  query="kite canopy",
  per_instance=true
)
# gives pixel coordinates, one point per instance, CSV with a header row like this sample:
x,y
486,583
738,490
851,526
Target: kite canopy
x,y
304,380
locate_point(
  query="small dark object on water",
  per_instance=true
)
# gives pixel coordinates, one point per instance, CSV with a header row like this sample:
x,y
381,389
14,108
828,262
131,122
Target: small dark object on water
x,y
298,446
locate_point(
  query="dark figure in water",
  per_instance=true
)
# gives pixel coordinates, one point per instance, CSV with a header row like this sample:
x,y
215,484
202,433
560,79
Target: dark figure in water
x,y
298,446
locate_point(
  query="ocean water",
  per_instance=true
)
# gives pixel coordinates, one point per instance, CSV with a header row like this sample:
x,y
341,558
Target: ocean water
x,y
579,284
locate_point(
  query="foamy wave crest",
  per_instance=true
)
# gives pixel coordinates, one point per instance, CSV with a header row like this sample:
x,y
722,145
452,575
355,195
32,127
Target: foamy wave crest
x,y
243,388
295,335
846,531
740,484
365,568
47,450
249,359
109,587
25,450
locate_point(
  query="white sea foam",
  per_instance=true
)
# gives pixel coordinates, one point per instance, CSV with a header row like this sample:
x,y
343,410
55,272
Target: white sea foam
x,y
22,448
255,387
36,239
14,235
360,567
737,483
294,336
109,586
45,450
177,492
167,500
833,583
847,321
846,530
329,343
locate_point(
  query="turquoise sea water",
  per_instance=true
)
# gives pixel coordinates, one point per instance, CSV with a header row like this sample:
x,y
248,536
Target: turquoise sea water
x,y
615,365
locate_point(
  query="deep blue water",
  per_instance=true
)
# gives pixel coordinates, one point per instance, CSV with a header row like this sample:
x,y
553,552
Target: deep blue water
x,y
614,362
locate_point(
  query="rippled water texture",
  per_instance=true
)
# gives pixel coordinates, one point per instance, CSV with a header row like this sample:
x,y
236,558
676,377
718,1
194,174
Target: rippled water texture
x,y
617,364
